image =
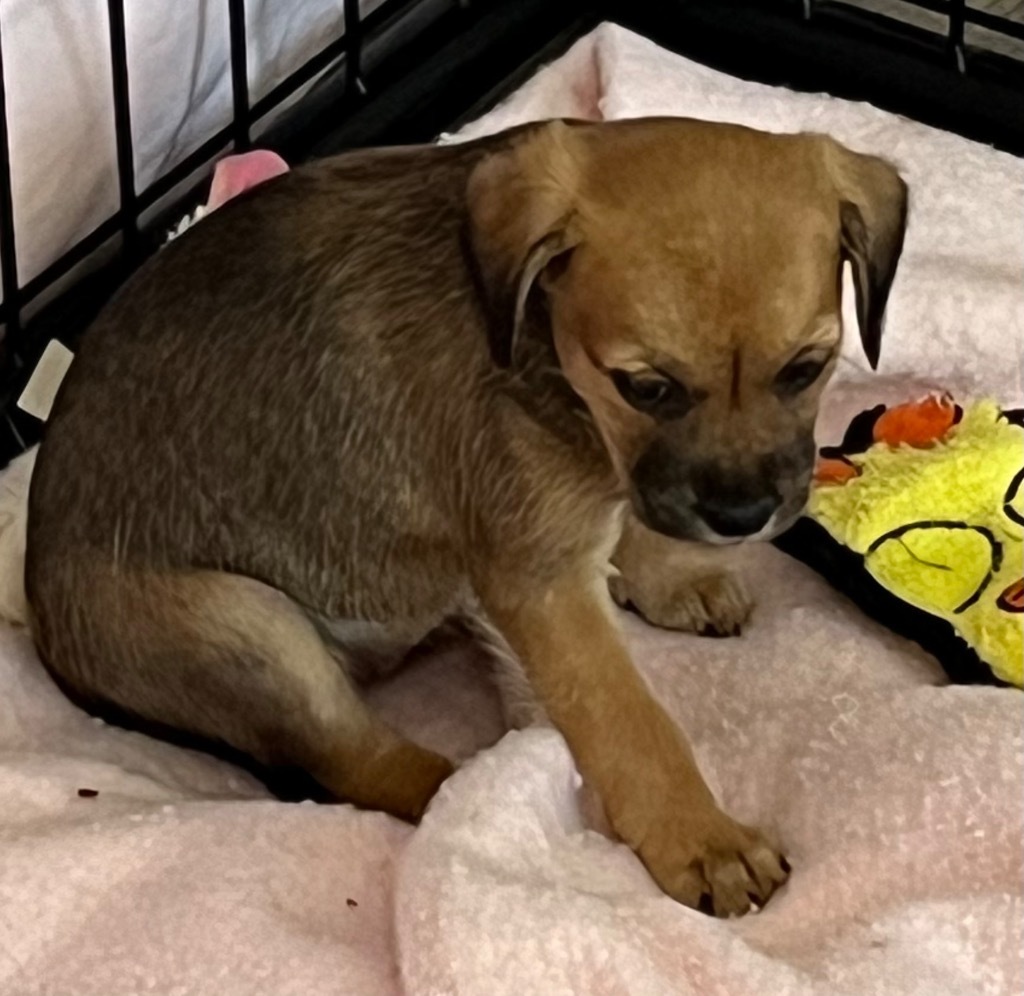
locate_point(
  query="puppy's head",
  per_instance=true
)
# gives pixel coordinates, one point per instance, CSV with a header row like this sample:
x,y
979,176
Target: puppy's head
x,y
689,275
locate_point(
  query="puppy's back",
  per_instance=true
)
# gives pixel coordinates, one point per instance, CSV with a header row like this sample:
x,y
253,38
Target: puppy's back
x,y
225,396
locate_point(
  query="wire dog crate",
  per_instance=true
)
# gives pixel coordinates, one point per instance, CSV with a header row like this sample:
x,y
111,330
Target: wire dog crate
x,y
413,68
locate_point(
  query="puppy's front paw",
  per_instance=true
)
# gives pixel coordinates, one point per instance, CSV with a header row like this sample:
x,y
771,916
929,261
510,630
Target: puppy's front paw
x,y
721,867
715,604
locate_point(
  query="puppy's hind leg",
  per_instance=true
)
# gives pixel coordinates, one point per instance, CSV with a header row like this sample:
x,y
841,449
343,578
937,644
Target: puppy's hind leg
x,y
231,661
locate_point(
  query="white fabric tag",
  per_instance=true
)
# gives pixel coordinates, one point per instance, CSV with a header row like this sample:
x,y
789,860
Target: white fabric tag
x,y
41,389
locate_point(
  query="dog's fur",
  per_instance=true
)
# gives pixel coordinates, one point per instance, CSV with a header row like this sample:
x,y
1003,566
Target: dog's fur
x,y
386,391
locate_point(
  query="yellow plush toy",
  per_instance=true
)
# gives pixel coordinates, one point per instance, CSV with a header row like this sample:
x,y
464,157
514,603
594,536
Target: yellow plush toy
x,y
925,501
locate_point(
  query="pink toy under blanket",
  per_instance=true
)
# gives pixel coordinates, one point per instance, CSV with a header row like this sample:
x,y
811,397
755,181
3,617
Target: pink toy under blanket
x,y
236,174
901,801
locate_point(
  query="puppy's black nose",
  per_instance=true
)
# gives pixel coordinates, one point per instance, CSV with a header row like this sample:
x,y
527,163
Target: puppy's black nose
x,y
738,518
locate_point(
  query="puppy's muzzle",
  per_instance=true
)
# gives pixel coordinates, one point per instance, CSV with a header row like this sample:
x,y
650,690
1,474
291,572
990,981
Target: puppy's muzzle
x,y
737,518
711,505
678,512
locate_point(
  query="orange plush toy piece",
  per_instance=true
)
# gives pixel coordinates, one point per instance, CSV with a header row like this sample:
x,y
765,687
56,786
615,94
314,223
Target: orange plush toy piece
x,y
917,423
834,470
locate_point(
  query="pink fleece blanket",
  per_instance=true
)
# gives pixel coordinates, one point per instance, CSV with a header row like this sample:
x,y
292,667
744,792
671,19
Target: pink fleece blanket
x,y
900,800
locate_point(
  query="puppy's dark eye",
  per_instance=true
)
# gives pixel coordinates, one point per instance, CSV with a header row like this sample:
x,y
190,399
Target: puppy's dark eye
x,y
799,375
652,393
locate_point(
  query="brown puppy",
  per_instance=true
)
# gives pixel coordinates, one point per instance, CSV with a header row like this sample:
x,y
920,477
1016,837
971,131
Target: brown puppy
x,y
409,386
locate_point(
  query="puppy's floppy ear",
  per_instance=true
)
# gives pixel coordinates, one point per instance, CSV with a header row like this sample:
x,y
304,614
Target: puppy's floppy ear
x,y
521,202
873,220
